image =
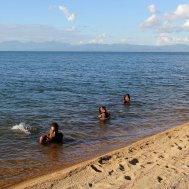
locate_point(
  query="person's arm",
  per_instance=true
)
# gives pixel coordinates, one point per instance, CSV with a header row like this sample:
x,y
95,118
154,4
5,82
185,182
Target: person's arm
x,y
41,139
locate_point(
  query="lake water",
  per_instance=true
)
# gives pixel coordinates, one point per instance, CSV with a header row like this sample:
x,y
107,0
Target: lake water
x,y
37,88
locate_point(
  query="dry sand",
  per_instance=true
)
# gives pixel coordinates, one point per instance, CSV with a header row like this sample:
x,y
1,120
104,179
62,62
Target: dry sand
x,y
158,161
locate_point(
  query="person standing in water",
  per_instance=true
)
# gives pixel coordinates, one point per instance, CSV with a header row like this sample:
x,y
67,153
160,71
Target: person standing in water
x,y
103,114
126,99
54,135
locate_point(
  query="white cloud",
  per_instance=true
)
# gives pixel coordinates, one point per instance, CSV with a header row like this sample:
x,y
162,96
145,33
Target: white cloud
x,y
163,20
98,40
69,16
164,39
186,24
170,22
151,21
182,11
152,8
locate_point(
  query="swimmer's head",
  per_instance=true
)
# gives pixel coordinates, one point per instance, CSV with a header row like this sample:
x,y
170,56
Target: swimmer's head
x,y
126,98
102,109
54,127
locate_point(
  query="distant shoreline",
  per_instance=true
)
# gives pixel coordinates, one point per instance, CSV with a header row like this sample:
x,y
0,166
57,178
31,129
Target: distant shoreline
x,y
64,51
60,46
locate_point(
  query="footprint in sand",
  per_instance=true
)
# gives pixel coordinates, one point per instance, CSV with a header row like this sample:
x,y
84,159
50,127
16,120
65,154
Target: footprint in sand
x,y
104,159
175,170
180,148
161,157
159,179
134,161
96,169
142,166
127,177
141,147
121,167
110,172
130,150
150,162
90,184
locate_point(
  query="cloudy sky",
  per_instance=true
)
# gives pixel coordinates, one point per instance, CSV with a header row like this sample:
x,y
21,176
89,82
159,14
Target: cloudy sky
x,y
143,22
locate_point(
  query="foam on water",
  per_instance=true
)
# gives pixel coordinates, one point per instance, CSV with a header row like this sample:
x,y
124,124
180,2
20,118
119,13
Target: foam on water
x,y
22,127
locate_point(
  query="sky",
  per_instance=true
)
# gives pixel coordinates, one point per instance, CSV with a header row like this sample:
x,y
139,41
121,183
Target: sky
x,y
138,22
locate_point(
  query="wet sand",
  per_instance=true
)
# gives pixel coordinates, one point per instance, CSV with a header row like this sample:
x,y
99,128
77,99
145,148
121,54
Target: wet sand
x,y
158,161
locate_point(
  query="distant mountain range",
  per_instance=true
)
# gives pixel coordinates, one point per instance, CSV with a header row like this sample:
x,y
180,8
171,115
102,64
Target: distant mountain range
x,y
59,46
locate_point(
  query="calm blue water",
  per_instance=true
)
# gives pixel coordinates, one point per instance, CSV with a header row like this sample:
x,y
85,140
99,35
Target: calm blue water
x,y
37,88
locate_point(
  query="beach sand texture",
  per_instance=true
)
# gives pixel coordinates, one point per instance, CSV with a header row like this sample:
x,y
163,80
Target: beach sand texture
x,y
158,161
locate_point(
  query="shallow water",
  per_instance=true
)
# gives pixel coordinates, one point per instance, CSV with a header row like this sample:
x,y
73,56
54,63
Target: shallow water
x,y
37,88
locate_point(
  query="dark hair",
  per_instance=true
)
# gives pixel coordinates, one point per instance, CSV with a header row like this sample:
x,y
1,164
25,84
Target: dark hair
x,y
55,125
104,107
126,95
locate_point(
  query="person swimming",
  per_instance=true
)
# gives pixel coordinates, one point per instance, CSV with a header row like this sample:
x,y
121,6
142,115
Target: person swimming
x,y
126,99
54,135
103,114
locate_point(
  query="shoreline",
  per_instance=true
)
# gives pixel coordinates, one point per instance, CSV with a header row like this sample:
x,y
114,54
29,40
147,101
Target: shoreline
x,y
157,161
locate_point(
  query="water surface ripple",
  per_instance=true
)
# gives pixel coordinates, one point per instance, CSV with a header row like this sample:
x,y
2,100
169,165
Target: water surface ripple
x,y
37,88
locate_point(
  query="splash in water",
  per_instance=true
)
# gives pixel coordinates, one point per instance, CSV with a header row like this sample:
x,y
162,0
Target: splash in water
x,y
22,127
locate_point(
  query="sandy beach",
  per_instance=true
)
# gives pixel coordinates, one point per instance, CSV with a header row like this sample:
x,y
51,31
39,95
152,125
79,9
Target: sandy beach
x,y
158,161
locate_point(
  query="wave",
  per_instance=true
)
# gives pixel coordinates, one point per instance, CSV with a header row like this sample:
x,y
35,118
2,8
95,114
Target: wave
x,y
22,127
